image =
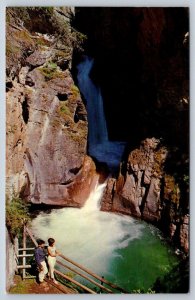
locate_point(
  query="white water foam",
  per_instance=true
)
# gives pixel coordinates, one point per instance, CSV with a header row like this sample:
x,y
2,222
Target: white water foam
x,y
87,235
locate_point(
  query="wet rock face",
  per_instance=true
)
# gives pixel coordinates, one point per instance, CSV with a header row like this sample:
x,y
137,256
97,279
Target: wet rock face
x,y
107,199
145,191
46,122
141,187
139,192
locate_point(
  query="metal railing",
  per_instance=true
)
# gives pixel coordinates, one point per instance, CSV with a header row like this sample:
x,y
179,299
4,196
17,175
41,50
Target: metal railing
x,y
80,270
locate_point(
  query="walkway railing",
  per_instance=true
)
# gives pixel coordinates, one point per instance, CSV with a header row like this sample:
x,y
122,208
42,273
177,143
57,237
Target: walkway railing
x,y
80,270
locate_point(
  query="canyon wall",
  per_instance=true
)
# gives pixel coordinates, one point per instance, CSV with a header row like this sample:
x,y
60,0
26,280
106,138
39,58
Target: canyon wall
x,y
142,67
46,119
144,190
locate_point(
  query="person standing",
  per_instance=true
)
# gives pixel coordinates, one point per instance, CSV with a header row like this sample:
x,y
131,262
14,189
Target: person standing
x,y
52,253
40,256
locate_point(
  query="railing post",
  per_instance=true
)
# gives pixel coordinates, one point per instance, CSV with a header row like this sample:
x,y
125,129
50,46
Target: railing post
x,y
101,284
24,252
102,287
16,250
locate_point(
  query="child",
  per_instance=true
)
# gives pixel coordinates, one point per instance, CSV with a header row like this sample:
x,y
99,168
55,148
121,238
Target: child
x,y
52,253
40,260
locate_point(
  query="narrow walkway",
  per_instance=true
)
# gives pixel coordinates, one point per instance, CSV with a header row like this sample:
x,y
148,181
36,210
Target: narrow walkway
x,y
61,287
30,286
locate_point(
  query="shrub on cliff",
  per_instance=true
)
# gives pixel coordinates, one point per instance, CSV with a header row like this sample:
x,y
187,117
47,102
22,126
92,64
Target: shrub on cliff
x,y
48,20
49,71
17,213
28,28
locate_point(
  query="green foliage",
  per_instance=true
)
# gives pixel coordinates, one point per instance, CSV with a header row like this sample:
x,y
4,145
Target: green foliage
x,y
48,8
41,41
78,39
11,49
64,109
171,190
52,65
186,179
159,159
24,36
22,287
49,70
75,91
17,213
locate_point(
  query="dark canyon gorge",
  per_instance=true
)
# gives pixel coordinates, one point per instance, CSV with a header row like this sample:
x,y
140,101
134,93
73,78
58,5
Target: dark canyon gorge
x,y
144,55
141,66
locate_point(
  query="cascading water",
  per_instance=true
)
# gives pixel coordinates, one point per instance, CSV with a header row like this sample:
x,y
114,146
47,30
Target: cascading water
x,y
99,145
97,125
85,234
125,251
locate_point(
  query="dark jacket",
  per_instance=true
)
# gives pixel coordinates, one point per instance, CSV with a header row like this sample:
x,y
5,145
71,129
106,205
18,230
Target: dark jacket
x,y
39,255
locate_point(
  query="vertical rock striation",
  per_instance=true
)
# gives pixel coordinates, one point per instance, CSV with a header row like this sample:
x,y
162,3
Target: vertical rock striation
x,y
144,190
46,118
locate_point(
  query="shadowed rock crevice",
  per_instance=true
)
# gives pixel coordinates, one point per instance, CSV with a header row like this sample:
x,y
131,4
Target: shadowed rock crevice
x,y
76,170
25,110
67,182
145,189
62,97
78,115
9,85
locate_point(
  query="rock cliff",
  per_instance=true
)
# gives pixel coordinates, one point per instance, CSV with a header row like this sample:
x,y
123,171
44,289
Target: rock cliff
x,y
46,118
144,190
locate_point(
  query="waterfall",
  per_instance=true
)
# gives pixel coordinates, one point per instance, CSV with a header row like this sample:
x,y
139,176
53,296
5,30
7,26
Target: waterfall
x,y
99,145
127,252
88,235
97,125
